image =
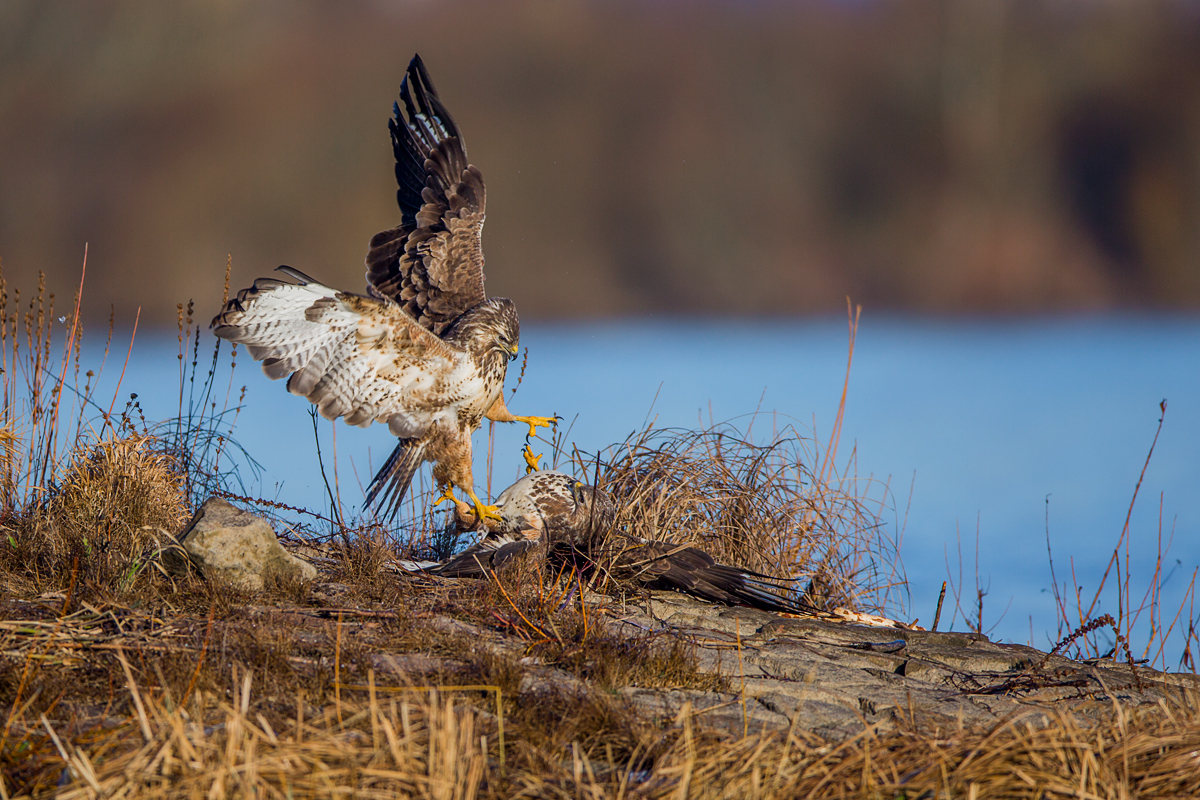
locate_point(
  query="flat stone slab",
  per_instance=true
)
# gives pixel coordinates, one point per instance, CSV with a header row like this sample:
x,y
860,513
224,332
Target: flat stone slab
x,y
838,678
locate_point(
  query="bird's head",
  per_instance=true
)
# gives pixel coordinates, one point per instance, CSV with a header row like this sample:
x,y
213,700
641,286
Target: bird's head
x,y
491,326
508,328
593,506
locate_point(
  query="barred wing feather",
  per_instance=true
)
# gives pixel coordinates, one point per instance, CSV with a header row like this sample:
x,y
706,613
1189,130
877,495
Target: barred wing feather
x,y
351,356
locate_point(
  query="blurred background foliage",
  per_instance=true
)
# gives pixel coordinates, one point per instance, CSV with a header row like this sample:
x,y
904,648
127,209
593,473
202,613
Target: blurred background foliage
x,y
641,156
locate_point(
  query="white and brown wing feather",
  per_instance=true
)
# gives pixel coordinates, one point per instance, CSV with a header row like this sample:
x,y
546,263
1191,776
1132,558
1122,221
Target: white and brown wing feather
x,y
351,356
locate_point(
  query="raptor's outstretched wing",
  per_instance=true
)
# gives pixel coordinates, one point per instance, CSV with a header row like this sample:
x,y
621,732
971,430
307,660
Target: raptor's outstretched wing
x,y
351,356
432,263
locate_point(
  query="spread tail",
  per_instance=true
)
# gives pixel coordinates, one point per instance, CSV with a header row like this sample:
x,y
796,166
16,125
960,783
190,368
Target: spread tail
x,y
391,483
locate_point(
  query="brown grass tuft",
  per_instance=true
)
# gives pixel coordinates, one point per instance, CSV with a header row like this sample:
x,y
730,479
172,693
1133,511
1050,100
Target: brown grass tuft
x,y
118,502
779,508
118,488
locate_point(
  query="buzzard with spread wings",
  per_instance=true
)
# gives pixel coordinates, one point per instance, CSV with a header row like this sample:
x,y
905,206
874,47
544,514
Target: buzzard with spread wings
x,y
424,351
568,519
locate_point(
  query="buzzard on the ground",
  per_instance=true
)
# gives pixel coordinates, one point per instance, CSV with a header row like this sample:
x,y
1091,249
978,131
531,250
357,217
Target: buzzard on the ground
x,y
425,351
570,520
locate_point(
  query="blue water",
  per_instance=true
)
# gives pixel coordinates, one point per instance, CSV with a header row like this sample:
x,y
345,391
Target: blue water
x,y
974,424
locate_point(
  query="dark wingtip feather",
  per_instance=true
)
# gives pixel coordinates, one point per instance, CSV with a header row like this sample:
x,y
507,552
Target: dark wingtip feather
x,y
295,274
769,597
689,569
477,563
415,132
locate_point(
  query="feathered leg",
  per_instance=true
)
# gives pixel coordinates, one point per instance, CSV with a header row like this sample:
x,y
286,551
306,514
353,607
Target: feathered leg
x,y
499,413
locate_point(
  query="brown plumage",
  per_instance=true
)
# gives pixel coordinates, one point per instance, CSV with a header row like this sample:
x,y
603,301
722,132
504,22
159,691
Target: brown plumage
x,y
545,510
432,262
425,351
567,519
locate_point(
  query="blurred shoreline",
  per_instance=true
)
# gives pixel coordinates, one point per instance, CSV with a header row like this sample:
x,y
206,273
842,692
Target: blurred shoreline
x,y
642,159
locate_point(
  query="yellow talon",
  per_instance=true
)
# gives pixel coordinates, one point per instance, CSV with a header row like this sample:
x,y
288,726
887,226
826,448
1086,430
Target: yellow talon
x,y
483,511
535,422
462,511
447,494
531,461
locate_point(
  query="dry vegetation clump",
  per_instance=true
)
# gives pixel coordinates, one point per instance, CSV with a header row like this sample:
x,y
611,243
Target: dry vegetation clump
x,y
362,563
119,487
117,504
781,508
86,498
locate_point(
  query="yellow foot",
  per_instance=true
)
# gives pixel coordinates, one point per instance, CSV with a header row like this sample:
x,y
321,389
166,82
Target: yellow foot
x,y
462,511
483,511
531,461
535,422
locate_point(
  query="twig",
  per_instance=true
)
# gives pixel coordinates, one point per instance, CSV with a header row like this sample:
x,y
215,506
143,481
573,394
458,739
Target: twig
x,y
1129,513
212,610
333,506
117,391
938,614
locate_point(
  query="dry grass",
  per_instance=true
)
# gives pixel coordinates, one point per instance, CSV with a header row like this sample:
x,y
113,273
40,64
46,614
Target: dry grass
x,y
775,508
382,740
70,668
115,507
118,488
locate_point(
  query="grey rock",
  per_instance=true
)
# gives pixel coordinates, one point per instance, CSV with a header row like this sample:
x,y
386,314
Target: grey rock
x,y
835,678
227,542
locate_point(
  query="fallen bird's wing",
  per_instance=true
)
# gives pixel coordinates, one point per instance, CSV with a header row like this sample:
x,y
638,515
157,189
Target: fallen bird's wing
x,y
485,556
666,565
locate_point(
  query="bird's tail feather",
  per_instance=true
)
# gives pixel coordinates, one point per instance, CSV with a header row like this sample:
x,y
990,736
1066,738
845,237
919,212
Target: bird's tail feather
x,y
391,483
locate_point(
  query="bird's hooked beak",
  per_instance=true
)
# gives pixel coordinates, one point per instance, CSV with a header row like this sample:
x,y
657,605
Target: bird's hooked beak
x,y
513,352
577,493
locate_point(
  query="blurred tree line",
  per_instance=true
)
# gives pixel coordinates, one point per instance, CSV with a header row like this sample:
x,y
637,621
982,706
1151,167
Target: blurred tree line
x,y
641,156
